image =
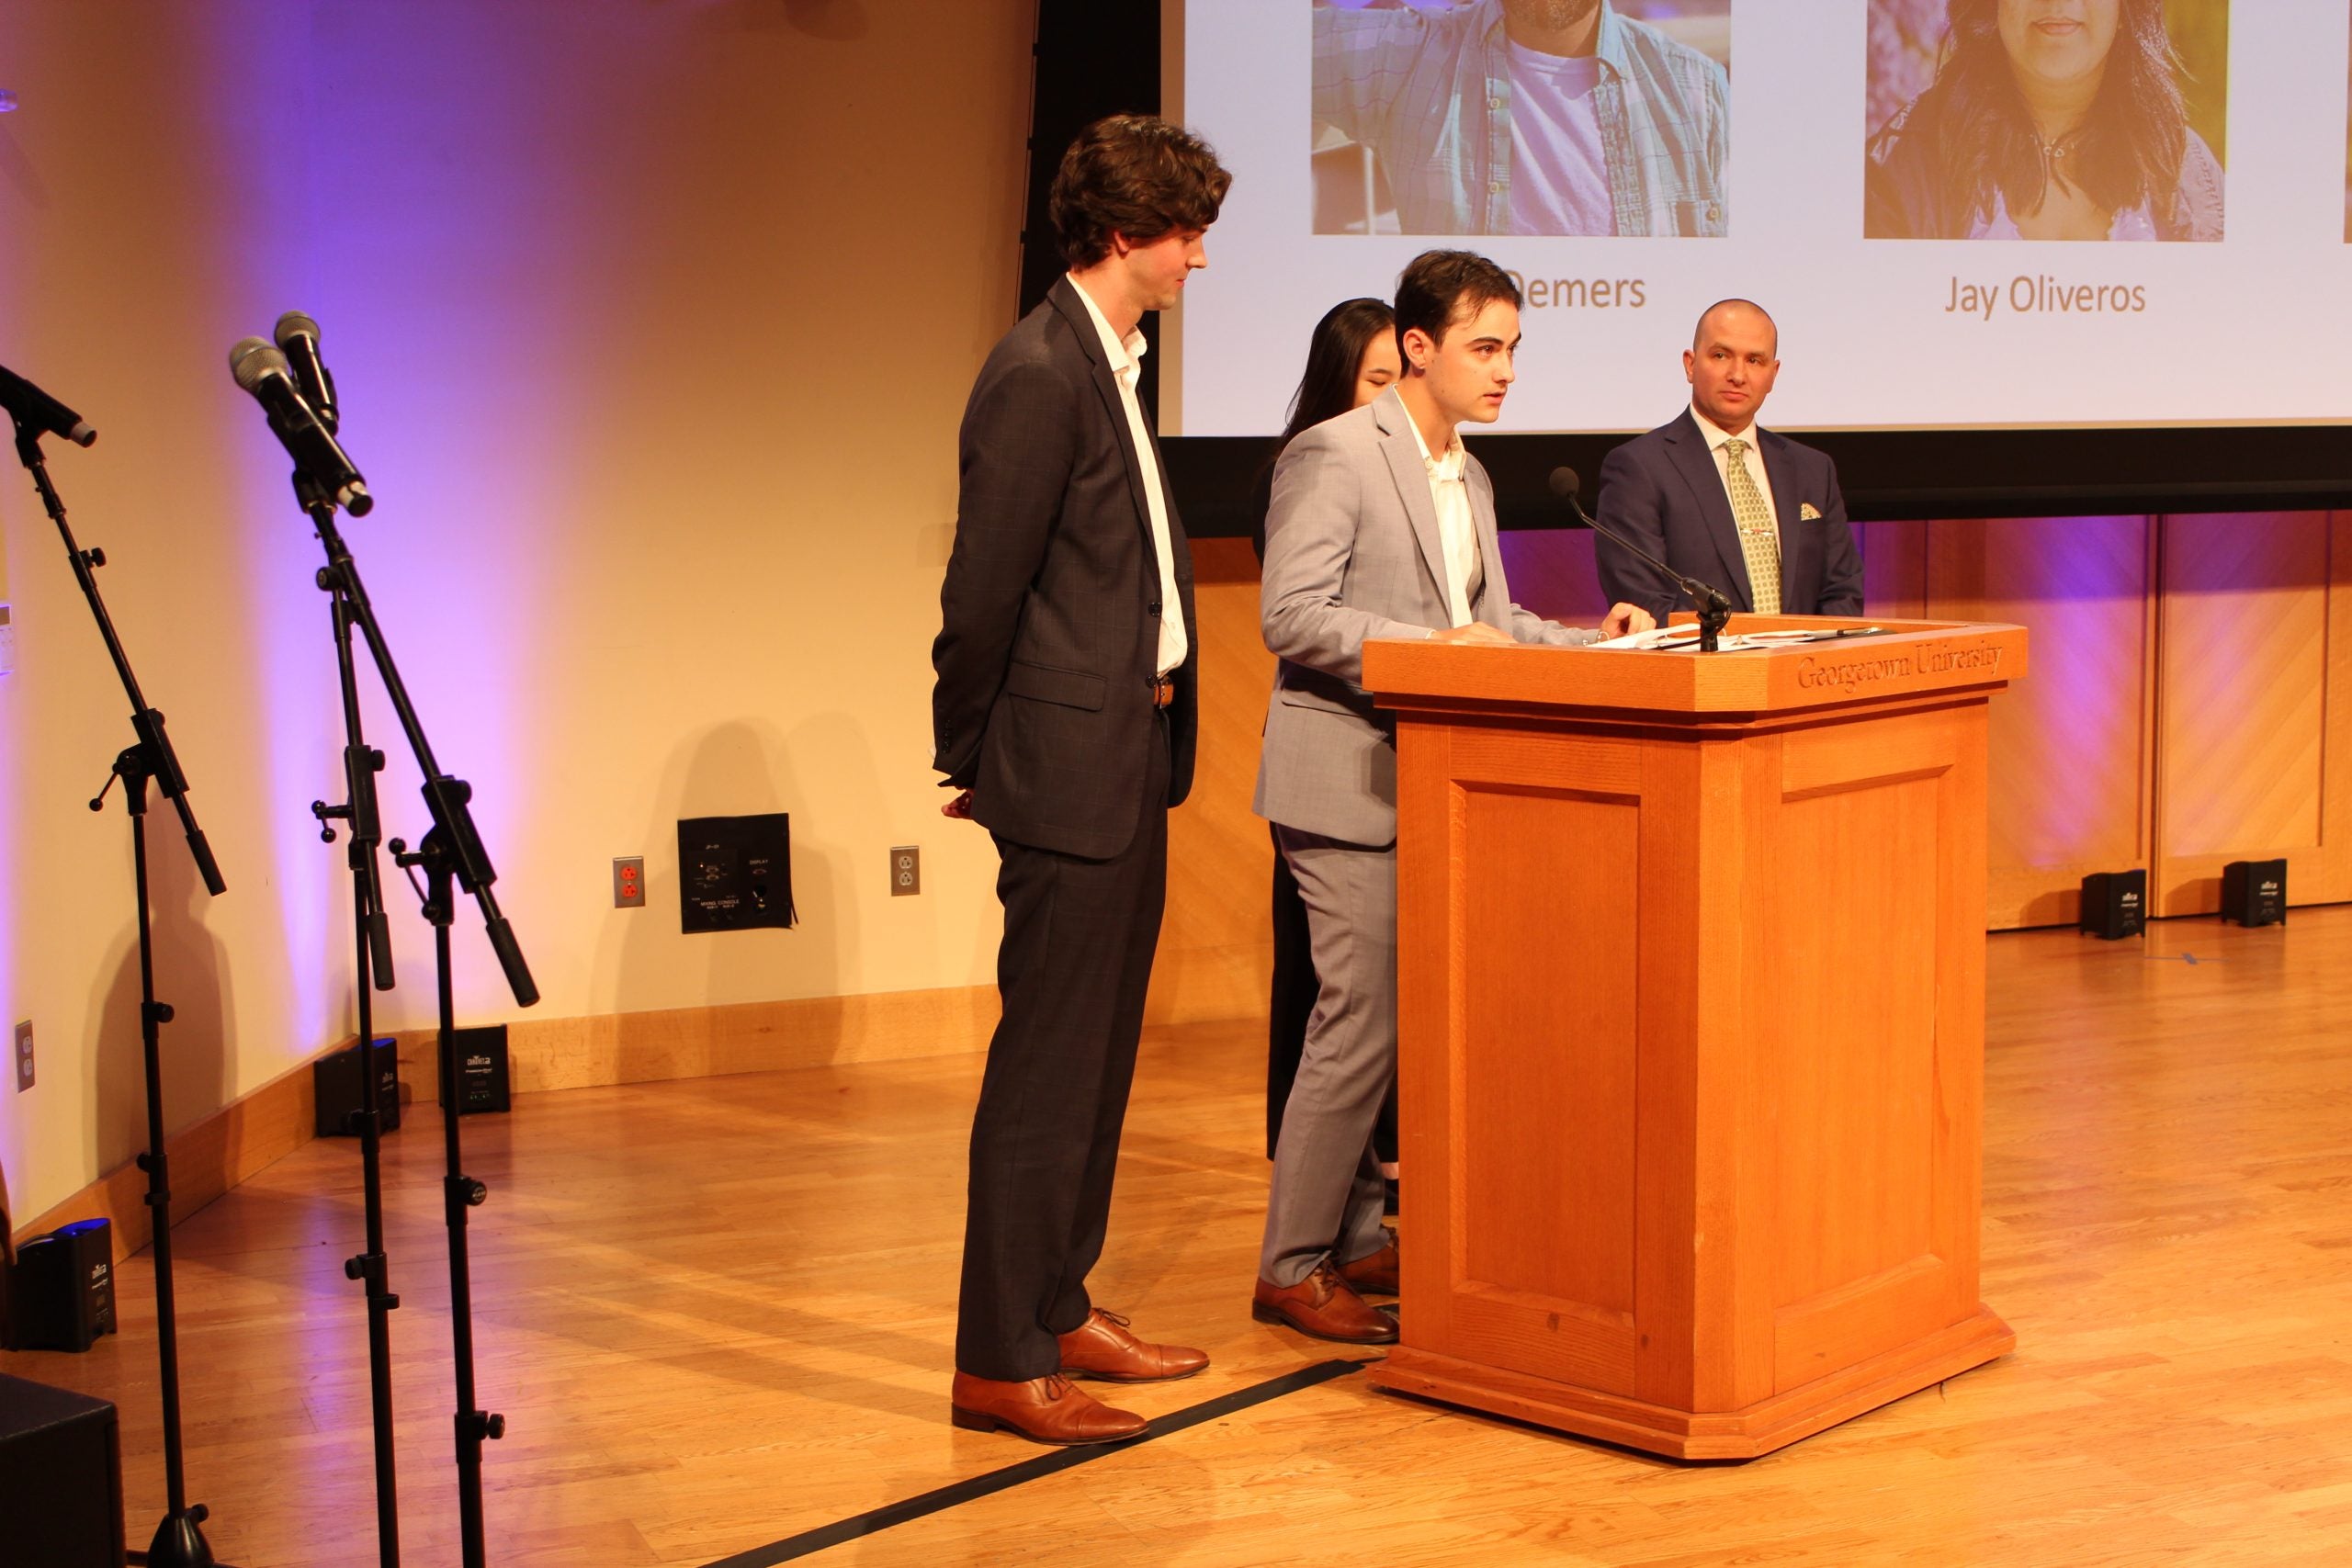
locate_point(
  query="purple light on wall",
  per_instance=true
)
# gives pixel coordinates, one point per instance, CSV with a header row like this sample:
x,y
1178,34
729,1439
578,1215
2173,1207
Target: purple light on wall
x,y
1552,573
2078,584
421,227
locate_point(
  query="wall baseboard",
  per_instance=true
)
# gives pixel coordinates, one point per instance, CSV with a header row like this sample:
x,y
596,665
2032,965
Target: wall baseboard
x,y
257,1130
711,1041
241,1139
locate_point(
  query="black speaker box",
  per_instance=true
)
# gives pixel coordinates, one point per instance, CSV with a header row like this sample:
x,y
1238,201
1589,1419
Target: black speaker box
x,y
2254,892
61,1478
481,1069
336,1080
2115,903
61,1290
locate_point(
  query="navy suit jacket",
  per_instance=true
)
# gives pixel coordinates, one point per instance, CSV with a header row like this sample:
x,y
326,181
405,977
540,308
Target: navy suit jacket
x,y
1049,615
1663,491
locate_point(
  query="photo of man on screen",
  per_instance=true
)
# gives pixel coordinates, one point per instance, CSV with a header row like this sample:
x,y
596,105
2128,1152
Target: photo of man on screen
x,y
2046,120
1521,116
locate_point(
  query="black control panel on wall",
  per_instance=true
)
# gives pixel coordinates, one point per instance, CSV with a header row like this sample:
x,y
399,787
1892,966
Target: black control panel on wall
x,y
734,872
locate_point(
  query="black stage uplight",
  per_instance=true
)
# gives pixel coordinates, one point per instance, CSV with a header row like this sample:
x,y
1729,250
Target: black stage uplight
x,y
2115,903
2254,892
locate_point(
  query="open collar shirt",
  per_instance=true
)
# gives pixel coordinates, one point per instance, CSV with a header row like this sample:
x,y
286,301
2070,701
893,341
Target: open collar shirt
x,y
1126,356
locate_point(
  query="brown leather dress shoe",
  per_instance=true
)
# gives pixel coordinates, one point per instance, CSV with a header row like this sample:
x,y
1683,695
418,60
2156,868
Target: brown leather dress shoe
x,y
1374,1274
1322,1305
1102,1348
1044,1410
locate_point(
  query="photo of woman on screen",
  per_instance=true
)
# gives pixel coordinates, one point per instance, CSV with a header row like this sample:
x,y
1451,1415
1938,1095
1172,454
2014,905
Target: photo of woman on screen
x,y
2045,119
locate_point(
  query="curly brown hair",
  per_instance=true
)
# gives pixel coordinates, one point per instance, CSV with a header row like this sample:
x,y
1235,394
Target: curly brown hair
x,y
1137,176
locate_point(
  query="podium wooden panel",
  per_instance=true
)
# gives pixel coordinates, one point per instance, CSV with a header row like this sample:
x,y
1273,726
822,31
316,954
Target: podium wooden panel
x,y
1691,1008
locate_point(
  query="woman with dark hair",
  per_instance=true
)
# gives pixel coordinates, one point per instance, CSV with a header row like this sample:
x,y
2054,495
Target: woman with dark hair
x,y
2048,119
1351,358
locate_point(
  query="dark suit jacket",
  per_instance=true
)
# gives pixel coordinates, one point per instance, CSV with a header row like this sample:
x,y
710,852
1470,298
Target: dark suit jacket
x,y
1049,617
1663,491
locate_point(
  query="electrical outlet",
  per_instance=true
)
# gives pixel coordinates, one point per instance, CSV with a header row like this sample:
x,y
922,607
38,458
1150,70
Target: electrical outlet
x,y
906,871
24,1055
629,882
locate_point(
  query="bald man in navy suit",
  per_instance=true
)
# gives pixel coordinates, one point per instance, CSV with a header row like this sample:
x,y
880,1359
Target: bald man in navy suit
x,y
1719,499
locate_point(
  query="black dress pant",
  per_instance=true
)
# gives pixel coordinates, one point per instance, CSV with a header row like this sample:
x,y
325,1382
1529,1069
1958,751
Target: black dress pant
x,y
1079,936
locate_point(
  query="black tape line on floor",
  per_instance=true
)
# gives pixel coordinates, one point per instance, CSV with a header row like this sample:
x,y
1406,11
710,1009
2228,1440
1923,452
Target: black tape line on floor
x,y
1051,1463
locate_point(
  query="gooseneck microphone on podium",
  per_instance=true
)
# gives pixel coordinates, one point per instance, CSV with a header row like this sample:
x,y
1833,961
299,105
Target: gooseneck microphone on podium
x,y
1713,607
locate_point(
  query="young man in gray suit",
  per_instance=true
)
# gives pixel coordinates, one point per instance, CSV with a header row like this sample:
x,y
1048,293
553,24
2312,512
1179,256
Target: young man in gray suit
x,y
1719,498
1064,715
1382,526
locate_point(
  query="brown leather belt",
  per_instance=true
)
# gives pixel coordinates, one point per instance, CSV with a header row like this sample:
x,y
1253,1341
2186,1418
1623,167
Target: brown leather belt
x,y
1163,692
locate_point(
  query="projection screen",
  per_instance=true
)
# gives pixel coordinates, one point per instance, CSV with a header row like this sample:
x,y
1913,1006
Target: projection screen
x,y
1874,172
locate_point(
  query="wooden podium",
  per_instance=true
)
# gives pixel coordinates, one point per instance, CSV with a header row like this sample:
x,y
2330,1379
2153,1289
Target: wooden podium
x,y
1692,1027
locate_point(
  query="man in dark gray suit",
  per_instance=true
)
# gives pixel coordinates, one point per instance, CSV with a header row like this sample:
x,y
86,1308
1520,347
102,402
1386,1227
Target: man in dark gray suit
x,y
1064,713
1381,526
1719,499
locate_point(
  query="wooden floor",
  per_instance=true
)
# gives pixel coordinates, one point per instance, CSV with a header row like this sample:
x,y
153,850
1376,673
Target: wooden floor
x,y
717,1314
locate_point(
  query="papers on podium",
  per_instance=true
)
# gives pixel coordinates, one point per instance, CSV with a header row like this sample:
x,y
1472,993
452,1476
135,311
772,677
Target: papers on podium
x,y
1670,640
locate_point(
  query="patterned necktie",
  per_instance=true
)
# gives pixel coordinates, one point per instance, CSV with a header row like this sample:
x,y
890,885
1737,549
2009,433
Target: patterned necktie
x,y
1756,540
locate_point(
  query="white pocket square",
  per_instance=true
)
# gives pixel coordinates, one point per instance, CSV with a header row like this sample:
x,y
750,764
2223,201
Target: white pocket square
x,y
1808,512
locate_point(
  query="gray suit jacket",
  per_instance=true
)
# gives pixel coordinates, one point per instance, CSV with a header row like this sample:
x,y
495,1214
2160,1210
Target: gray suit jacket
x,y
1352,553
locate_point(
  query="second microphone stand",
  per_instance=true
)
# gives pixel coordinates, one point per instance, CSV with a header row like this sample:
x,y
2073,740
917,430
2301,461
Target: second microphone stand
x,y
452,857
373,961
458,1191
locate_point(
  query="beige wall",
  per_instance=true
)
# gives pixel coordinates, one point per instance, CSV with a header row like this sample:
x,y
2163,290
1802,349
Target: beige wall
x,y
2190,700
652,323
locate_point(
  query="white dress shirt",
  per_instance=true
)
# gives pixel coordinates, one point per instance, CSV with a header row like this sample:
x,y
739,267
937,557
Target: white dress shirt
x,y
1458,536
1126,356
1716,435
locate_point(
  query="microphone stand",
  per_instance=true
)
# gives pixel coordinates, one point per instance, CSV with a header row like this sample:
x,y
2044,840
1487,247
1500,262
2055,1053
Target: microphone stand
x,y
458,1191
373,961
451,851
1713,609
179,1541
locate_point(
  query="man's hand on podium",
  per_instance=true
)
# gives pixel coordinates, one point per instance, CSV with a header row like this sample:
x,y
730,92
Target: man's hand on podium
x,y
1625,620
1476,631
